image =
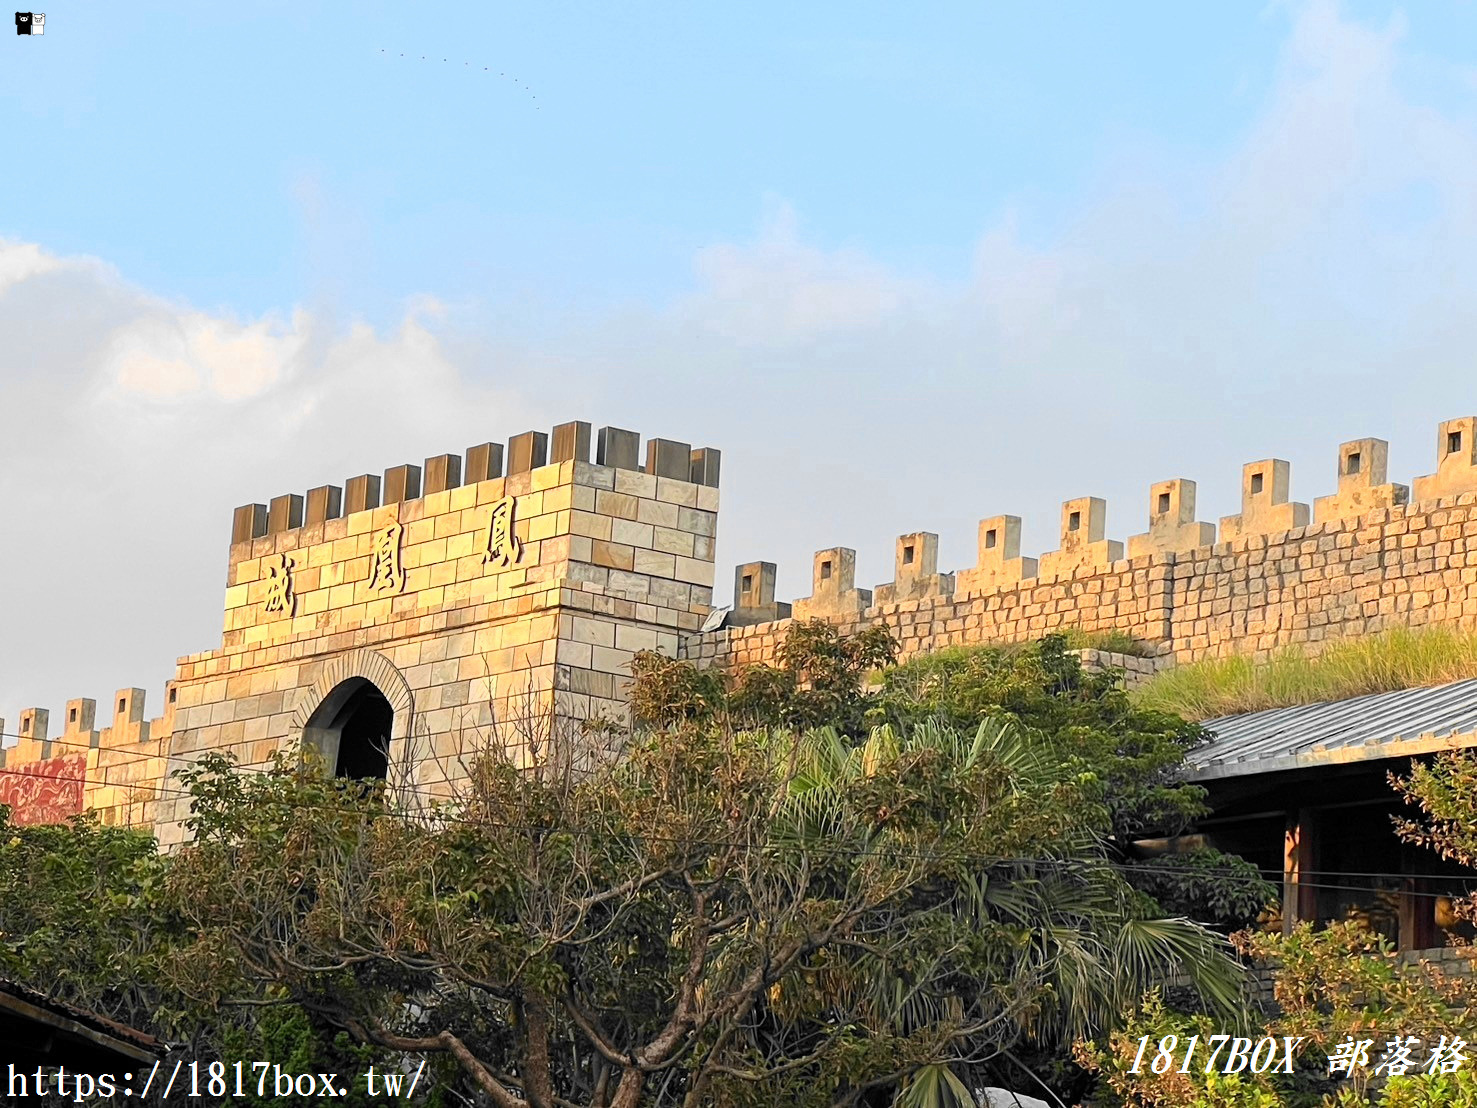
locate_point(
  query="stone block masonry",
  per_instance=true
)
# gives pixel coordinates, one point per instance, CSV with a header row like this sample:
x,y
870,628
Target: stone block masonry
x,y
998,562
917,575
1371,561
1265,509
1084,546
1363,465
401,623
118,770
833,592
1172,524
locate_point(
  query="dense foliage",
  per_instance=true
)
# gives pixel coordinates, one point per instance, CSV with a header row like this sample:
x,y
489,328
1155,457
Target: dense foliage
x,y
834,881
1086,718
76,913
1128,757
1205,884
86,916
819,682
1444,790
719,918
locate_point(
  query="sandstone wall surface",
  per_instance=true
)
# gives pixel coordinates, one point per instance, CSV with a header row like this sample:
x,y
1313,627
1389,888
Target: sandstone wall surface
x,y
474,604
503,610
1398,566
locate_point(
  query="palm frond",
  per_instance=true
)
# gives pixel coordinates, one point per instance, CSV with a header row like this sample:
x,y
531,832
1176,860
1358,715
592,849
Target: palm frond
x,y
1151,950
934,1086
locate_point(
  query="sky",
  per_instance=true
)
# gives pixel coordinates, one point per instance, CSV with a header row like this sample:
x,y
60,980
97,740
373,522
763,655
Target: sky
x,y
906,268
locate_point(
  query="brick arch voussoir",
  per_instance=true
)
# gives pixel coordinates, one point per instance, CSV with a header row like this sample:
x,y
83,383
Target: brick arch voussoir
x,y
372,666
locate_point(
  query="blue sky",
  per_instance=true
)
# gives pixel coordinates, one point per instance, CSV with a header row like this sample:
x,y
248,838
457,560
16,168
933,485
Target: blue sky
x,y
906,267
286,153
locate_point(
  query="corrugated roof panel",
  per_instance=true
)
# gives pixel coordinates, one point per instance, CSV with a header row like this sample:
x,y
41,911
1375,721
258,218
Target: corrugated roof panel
x,y
1360,726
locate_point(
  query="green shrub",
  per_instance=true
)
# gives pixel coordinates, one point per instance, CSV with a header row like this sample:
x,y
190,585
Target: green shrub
x,y
1341,983
1084,717
1112,642
1206,885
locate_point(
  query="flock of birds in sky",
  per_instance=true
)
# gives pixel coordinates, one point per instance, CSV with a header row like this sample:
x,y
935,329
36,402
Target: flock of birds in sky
x,y
485,69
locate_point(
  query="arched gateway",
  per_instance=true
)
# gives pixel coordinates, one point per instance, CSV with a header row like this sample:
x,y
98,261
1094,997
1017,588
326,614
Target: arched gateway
x,y
398,622
357,715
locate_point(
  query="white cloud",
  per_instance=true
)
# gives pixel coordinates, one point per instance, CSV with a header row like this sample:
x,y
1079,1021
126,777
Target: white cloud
x,y
136,425
179,353
780,291
20,261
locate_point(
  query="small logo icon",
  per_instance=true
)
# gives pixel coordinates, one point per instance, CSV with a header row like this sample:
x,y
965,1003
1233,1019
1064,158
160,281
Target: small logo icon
x,y
30,23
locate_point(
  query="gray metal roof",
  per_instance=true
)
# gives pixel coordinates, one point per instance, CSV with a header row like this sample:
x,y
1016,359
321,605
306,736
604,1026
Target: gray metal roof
x,y
1363,728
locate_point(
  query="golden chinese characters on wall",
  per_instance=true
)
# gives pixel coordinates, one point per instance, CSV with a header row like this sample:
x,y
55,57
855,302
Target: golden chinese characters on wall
x,y
504,548
278,599
386,575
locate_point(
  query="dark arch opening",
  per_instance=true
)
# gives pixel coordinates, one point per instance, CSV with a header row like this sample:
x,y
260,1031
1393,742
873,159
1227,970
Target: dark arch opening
x,y
352,729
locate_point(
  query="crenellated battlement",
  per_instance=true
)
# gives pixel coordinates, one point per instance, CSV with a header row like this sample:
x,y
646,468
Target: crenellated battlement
x,y
475,588
1373,554
1084,549
615,448
116,770
475,592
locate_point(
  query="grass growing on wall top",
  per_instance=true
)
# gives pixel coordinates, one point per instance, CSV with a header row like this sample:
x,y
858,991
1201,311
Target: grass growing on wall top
x,y
1112,642
1395,659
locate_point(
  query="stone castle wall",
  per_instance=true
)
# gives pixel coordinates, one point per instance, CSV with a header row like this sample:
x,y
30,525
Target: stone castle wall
x,y
1366,558
117,770
501,609
504,607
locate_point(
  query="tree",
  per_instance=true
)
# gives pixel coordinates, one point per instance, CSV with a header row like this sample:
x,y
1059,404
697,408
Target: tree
x,y
84,918
1133,758
1099,944
1444,790
1137,755
74,916
1134,755
1127,759
726,918
819,682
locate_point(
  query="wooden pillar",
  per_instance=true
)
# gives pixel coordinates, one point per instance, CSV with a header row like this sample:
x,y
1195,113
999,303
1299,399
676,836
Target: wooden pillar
x,y
1299,869
1417,906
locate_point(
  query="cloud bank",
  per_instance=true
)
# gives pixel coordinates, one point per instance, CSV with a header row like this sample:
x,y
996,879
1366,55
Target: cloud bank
x,y
137,424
